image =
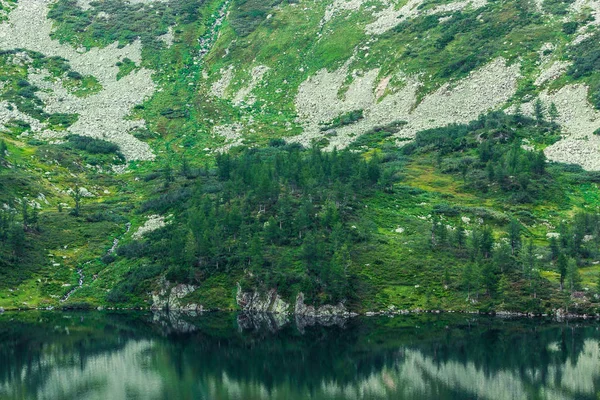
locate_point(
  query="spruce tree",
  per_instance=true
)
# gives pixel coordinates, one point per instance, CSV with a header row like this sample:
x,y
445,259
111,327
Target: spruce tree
x,y
190,249
538,111
514,236
487,242
553,112
573,277
554,248
562,264
469,279
460,237
77,196
272,231
3,150
504,289
489,278
503,258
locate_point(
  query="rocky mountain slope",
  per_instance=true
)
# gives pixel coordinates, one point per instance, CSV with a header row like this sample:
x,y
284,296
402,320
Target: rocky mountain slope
x,y
114,115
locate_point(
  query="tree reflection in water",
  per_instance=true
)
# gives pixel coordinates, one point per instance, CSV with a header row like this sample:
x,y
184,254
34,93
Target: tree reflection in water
x,y
48,355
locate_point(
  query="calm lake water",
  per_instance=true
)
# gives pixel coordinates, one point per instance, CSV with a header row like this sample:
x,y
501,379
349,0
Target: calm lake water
x,y
52,355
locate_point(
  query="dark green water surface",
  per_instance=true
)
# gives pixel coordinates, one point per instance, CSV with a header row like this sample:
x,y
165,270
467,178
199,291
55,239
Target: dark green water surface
x,y
99,355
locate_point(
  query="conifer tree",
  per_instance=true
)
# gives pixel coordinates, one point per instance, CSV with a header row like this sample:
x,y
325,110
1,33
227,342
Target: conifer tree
x,y
489,277
538,111
504,288
514,236
553,112
190,249
272,231
469,279
3,150
487,242
554,248
460,237
573,277
77,196
562,264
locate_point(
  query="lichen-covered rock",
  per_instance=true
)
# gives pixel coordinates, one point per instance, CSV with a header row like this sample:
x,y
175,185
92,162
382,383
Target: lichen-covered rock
x,y
270,302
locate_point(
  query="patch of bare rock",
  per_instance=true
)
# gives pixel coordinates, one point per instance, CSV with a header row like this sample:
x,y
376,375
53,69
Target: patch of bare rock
x,y
318,101
391,16
271,302
154,222
102,115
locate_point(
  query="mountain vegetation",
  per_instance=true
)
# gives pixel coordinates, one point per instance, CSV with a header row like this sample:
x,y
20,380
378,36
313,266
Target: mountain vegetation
x,y
304,146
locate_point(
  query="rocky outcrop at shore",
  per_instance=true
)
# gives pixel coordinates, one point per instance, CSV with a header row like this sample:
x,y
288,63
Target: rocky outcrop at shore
x,y
270,302
171,298
323,311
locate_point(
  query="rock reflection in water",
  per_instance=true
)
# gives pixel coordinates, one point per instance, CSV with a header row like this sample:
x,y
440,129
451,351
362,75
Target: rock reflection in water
x,y
262,356
275,322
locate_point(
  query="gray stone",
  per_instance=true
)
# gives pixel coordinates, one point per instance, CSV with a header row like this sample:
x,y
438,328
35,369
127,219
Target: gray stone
x,y
323,311
170,297
268,310
270,302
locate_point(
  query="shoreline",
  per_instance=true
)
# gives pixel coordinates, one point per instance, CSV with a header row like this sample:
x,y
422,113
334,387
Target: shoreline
x,y
347,315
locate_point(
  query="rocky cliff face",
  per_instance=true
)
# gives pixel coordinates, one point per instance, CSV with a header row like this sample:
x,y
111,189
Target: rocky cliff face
x,y
271,302
170,297
323,311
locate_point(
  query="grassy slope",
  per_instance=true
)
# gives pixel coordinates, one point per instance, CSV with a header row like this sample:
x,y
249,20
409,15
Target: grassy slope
x,y
397,263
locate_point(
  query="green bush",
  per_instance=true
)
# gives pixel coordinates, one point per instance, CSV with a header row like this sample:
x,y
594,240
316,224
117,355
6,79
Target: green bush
x,y
74,75
586,58
557,7
246,15
570,27
135,249
93,146
348,118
